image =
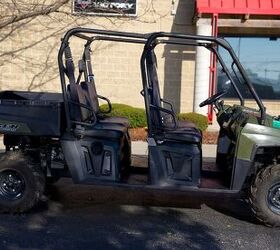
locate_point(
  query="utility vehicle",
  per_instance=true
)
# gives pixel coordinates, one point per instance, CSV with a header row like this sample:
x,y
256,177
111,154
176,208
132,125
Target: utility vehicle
x,y
53,135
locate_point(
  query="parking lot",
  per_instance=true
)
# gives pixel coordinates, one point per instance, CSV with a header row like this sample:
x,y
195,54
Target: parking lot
x,y
86,217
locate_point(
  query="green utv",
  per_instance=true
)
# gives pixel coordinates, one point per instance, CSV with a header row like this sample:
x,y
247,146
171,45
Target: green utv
x,y
53,135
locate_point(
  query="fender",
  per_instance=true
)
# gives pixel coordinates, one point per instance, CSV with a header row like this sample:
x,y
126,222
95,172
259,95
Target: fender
x,y
252,137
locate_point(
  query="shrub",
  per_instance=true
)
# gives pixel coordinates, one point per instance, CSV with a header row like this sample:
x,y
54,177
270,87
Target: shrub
x,y
136,116
199,120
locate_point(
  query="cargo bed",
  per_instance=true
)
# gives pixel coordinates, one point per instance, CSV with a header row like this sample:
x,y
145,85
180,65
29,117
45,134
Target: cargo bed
x,y
31,113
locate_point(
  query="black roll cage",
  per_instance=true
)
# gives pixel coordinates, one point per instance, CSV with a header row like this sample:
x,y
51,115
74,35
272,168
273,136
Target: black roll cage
x,y
150,41
99,35
209,43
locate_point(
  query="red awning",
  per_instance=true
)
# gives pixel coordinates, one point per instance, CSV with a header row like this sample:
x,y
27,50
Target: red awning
x,y
253,7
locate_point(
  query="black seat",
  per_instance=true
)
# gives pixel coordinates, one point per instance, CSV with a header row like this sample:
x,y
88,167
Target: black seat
x,y
183,136
164,120
103,131
103,121
81,112
83,115
103,148
85,67
92,97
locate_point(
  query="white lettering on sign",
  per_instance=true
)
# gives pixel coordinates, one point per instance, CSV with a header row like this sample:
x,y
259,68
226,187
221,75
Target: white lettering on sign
x,y
104,7
84,2
123,6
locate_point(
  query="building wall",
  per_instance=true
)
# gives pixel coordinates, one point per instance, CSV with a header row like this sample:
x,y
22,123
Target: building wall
x,y
30,54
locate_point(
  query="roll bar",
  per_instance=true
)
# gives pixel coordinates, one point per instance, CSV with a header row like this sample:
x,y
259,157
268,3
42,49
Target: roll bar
x,y
209,43
99,35
149,41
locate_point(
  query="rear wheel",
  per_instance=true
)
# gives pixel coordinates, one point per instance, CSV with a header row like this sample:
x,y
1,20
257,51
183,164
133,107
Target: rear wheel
x,y
265,196
22,181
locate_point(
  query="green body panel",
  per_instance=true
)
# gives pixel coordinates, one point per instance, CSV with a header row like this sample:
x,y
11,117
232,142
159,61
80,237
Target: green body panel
x,y
253,136
246,131
241,136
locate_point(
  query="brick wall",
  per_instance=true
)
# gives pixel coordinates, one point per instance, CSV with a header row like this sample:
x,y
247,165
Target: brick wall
x,y
30,60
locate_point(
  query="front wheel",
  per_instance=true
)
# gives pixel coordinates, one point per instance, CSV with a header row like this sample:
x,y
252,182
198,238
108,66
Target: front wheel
x,y
22,182
265,196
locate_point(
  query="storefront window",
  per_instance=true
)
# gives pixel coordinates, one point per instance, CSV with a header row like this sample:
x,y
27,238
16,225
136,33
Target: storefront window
x,y
260,56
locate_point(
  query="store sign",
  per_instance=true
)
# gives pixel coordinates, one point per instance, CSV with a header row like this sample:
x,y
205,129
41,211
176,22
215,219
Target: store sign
x,y
106,7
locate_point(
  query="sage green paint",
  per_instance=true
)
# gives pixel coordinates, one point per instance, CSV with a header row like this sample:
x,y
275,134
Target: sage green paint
x,y
253,136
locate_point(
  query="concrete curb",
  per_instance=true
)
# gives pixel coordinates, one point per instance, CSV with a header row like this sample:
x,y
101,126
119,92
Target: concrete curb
x,y
141,148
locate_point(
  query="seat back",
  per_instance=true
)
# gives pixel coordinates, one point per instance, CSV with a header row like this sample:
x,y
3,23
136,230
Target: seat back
x,y
154,92
75,93
78,101
89,84
92,98
155,97
161,118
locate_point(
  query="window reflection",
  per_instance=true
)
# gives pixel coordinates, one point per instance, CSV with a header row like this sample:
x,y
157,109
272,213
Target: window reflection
x,y
260,56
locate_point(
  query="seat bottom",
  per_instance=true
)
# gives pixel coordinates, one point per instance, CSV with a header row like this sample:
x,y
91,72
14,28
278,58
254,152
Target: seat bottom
x,y
103,130
187,134
184,132
184,136
115,120
185,124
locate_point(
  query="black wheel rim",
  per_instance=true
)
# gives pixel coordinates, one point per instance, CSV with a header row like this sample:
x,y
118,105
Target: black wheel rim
x,y
12,185
273,198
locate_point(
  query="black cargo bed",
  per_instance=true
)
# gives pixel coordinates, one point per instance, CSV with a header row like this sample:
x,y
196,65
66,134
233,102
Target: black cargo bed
x,y
31,113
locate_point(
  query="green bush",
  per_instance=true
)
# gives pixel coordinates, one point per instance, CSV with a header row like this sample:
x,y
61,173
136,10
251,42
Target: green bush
x,y
199,120
136,116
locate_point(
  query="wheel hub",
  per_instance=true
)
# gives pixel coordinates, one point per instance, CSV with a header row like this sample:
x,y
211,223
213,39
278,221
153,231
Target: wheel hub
x,y
11,185
273,198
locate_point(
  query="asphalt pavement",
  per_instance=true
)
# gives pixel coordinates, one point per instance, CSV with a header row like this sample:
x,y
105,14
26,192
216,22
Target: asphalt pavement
x,y
87,217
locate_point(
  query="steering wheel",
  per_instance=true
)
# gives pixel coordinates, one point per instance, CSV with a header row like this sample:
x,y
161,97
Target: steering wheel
x,y
212,99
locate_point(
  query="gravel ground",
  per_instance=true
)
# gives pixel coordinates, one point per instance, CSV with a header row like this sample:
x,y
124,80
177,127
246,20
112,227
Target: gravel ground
x,y
86,217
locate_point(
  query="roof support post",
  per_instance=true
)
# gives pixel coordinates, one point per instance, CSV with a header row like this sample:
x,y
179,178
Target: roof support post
x,y
213,68
202,64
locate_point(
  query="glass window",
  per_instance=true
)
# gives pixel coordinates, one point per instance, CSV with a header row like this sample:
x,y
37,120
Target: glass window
x,y
260,57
